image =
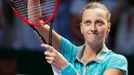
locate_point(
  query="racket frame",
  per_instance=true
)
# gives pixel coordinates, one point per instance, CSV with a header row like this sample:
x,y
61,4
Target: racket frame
x,y
44,22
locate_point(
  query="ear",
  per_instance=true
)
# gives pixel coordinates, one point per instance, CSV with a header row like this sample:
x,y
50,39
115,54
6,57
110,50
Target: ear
x,y
109,27
107,33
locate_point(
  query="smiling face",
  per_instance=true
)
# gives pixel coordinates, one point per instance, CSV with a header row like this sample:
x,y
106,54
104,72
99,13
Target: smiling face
x,y
94,26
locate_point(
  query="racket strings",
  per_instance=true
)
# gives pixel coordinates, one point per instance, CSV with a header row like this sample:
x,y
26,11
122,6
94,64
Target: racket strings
x,y
47,8
21,7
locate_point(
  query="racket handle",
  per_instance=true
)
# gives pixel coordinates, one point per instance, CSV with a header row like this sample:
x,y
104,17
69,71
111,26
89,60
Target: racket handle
x,y
50,36
50,33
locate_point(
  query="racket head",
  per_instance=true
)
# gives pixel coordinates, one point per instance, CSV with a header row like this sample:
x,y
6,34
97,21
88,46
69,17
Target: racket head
x,y
40,14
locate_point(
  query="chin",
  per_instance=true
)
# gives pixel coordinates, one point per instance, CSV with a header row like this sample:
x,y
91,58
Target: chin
x,y
94,42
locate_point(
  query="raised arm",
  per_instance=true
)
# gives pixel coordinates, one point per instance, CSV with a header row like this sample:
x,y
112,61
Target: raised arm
x,y
43,30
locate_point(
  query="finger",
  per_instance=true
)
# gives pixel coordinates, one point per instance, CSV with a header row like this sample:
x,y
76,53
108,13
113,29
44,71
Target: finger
x,y
49,53
50,62
48,47
49,58
44,45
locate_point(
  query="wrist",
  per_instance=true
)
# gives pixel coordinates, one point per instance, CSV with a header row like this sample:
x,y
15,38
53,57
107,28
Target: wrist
x,y
68,70
63,65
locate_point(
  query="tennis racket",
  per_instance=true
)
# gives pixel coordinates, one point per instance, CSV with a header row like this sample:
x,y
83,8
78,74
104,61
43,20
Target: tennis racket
x,y
36,13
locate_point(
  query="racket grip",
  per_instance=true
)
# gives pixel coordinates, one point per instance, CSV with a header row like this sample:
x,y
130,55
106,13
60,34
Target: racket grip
x,y
50,33
50,37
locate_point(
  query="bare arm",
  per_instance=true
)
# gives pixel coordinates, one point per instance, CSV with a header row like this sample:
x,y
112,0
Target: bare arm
x,y
113,71
43,30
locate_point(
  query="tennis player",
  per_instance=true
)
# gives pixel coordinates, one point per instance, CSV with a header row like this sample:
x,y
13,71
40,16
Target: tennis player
x,y
93,57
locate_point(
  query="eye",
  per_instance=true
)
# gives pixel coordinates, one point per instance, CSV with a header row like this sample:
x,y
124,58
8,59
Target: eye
x,y
87,22
99,22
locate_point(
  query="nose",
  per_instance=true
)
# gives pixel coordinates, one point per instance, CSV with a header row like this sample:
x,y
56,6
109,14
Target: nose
x,y
93,28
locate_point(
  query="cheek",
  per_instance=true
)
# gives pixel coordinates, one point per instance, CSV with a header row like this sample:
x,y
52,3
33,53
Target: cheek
x,y
103,32
83,29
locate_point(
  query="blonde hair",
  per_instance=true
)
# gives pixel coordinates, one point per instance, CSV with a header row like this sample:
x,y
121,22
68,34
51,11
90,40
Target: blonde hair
x,y
99,5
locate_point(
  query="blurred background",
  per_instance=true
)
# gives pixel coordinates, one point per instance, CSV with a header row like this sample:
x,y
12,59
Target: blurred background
x,y
20,51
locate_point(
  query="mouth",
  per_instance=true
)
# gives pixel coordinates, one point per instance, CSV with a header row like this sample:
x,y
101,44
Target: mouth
x,y
93,34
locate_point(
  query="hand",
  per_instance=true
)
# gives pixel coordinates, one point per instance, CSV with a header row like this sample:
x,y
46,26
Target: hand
x,y
53,57
34,13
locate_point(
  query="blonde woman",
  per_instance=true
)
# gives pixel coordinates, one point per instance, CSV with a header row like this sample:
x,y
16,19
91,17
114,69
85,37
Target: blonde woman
x,y
92,58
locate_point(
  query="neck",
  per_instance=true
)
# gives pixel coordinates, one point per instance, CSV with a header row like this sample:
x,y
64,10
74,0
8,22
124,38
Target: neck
x,y
90,52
